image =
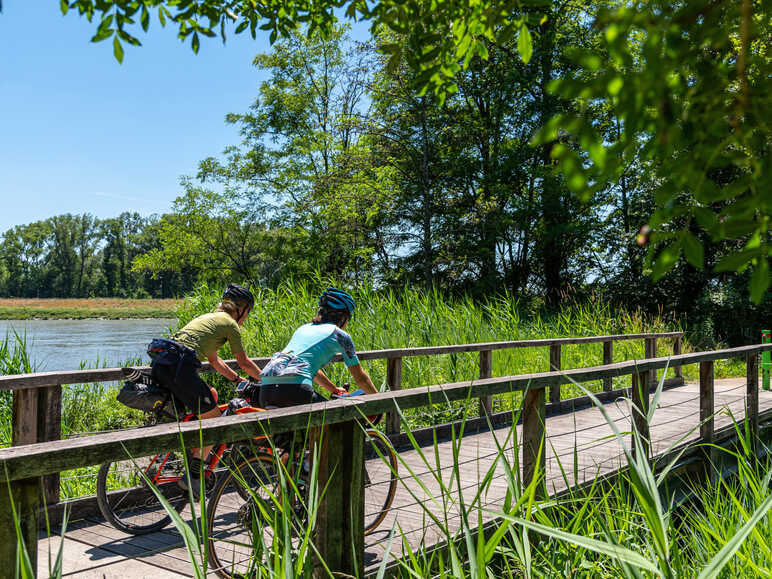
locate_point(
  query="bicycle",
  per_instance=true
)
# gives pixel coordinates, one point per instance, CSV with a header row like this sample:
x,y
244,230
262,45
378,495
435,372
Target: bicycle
x,y
129,504
123,495
248,502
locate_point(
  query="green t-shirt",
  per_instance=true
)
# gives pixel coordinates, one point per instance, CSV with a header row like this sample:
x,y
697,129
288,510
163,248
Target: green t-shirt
x,y
206,334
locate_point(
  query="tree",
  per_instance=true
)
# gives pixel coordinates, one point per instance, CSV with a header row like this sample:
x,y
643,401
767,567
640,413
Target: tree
x,y
301,162
689,85
212,235
688,81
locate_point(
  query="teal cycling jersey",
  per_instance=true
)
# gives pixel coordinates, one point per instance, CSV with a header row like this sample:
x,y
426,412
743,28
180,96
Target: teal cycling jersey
x,y
312,346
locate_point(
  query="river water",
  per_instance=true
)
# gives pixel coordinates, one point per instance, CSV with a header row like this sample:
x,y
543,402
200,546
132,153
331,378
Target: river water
x,y
64,344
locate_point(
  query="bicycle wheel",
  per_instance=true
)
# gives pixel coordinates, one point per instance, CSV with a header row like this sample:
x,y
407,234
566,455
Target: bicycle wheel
x,y
243,511
125,498
380,478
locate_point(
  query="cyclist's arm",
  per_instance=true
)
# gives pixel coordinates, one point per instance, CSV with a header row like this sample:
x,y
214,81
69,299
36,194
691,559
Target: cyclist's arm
x,y
222,367
362,378
248,365
322,380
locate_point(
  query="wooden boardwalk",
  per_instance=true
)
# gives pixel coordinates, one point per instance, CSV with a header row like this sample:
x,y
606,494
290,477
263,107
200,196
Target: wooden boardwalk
x,y
94,549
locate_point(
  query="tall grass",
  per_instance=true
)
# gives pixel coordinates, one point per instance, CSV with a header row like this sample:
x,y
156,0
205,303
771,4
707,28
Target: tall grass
x,y
412,318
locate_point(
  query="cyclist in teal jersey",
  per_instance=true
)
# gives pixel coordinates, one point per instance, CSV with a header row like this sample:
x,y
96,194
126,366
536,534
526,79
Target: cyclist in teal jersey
x,y
288,377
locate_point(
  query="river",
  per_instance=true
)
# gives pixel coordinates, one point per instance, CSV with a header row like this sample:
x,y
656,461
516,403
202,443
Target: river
x,y
64,344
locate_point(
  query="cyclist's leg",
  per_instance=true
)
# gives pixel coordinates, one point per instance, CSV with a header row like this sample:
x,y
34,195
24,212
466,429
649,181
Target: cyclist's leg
x,y
188,387
282,396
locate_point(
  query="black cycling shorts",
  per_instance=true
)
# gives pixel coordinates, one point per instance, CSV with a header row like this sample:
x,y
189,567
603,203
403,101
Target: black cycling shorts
x,y
188,387
288,395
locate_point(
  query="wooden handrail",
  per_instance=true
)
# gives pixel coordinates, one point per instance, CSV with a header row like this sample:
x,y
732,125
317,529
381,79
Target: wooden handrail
x,y
34,460
50,379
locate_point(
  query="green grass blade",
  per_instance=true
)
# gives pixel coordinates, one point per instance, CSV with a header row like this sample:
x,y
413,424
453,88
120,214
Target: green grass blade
x,y
720,559
616,552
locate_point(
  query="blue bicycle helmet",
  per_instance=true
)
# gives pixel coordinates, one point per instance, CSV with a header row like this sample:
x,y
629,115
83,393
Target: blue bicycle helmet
x,y
337,299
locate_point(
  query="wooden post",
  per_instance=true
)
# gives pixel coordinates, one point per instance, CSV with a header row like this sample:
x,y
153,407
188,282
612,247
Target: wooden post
x,y
50,428
341,517
394,382
608,358
26,500
679,371
534,437
706,413
640,408
24,429
486,371
25,493
752,397
555,366
650,351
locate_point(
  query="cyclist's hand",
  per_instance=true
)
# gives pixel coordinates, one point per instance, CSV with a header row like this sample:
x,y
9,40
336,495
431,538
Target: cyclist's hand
x,y
339,391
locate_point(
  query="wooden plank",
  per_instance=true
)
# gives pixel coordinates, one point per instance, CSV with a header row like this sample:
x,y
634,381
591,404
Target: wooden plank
x,y
50,379
340,522
50,428
707,412
394,382
608,358
486,371
534,450
640,398
752,397
555,367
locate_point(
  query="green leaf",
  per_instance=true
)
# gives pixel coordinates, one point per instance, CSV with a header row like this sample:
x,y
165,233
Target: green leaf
x,y
64,6
760,280
693,250
614,551
719,561
666,259
145,18
735,261
117,50
162,15
195,43
525,44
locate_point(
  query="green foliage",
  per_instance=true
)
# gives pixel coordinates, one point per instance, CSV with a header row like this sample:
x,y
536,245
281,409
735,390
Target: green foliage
x,y
450,35
687,83
80,256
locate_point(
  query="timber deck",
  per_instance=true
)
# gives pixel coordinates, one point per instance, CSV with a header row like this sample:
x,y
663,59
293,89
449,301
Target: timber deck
x,y
94,549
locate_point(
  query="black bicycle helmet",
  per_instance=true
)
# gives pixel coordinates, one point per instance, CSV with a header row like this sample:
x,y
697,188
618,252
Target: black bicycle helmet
x,y
337,299
238,295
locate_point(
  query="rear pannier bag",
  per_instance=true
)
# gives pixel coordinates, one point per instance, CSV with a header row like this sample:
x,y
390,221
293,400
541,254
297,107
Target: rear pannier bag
x,y
147,398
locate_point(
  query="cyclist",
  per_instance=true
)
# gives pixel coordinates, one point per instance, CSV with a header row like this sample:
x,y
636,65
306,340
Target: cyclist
x,y
288,377
175,363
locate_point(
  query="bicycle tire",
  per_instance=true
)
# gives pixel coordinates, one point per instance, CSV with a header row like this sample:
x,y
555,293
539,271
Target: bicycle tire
x,y
380,478
237,516
127,502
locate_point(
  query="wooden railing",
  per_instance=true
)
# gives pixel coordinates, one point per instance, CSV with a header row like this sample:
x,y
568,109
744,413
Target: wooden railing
x,y
37,398
23,466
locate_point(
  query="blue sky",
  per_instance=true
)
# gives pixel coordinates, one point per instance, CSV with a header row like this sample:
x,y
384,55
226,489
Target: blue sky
x,y
81,133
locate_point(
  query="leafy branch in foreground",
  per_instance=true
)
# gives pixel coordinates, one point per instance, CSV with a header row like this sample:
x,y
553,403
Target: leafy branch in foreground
x,y
450,31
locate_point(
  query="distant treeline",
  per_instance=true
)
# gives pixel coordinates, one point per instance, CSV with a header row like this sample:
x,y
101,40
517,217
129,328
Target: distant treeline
x,y
79,256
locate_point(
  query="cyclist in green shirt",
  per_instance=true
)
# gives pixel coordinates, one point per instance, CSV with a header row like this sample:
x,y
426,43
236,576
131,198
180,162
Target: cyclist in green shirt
x,y
175,363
